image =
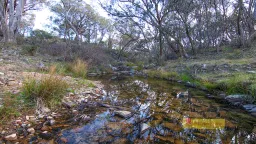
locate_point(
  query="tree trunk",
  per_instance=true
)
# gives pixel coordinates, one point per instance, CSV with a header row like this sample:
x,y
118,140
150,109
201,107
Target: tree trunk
x,y
10,19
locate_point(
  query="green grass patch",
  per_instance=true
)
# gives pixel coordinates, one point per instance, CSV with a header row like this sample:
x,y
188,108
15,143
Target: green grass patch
x,y
11,107
239,84
50,89
162,74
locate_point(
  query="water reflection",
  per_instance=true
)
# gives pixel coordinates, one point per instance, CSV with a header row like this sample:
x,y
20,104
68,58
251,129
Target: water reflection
x,y
158,114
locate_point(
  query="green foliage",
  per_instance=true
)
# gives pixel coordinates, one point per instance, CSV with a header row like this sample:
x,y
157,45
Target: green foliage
x,y
29,49
50,89
186,77
41,35
239,83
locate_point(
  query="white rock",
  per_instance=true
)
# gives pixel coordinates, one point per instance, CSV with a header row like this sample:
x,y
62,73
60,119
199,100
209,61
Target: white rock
x,y
52,122
27,117
1,73
123,114
31,130
11,137
50,118
144,127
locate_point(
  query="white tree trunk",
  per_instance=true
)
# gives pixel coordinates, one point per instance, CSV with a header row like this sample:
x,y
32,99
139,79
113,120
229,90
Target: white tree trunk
x,y
10,26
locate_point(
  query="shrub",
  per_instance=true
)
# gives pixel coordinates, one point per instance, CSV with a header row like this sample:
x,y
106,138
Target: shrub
x,y
50,89
29,49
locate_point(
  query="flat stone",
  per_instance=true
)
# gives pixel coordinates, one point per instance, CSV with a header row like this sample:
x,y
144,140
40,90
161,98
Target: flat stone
x,y
249,106
1,73
11,137
144,127
123,114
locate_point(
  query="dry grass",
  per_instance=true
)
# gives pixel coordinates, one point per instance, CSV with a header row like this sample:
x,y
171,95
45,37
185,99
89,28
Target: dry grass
x,y
79,68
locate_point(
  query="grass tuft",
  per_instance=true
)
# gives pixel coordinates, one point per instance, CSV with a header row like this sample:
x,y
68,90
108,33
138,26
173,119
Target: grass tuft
x,y
79,68
50,89
10,107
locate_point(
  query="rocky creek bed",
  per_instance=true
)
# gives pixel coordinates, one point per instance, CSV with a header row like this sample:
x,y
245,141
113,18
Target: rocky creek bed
x,y
135,110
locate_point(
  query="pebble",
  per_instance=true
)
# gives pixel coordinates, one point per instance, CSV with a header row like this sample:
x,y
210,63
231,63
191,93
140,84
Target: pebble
x,y
31,130
11,137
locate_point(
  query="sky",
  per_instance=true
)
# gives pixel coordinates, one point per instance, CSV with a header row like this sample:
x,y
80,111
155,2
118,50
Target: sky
x,y
42,16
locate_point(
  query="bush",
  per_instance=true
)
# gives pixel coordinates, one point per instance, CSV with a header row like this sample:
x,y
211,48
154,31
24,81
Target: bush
x,y
29,49
50,89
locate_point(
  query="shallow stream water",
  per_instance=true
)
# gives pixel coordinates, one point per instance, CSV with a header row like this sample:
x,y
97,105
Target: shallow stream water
x,y
159,116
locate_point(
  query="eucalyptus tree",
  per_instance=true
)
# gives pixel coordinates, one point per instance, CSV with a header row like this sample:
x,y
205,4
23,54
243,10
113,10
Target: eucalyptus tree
x,y
79,18
151,12
11,12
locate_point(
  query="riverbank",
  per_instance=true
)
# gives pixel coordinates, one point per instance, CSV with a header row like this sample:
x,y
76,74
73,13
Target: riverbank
x,y
228,75
24,79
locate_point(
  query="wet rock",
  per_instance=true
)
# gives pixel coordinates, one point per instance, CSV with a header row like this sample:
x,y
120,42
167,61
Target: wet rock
x,y
172,126
46,135
33,139
249,107
238,99
251,72
11,137
45,128
253,110
165,138
31,130
123,114
144,128
253,114
64,140
182,94
121,141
